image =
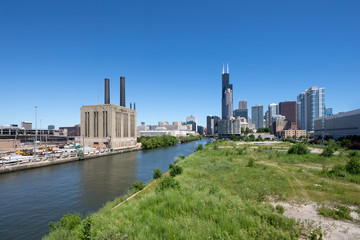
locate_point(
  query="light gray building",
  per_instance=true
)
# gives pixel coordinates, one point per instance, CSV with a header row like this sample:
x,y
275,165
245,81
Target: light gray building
x,y
257,116
273,110
26,125
310,105
338,125
228,127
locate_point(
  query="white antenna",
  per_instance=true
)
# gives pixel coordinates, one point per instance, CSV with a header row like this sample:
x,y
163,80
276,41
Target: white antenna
x,y
227,66
223,69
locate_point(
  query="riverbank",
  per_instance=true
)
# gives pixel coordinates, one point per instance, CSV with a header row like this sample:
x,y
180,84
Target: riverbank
x,y
7,167
232,193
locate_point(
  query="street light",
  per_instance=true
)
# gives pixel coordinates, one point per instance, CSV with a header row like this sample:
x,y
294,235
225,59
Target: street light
x,y
35,143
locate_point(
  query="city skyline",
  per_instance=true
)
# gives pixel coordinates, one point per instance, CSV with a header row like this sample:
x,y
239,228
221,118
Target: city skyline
x,y
56,55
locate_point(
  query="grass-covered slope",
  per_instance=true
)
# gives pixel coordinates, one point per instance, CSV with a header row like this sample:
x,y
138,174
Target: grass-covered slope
x,y
223,194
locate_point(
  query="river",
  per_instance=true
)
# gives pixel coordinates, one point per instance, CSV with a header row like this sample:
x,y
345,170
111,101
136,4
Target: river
x,y
32,198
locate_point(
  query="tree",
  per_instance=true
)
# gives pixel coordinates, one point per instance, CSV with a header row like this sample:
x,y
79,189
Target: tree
x,y
157,173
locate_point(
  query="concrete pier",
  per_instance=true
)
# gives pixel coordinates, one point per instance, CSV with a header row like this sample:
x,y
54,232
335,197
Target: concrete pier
x,y
6,167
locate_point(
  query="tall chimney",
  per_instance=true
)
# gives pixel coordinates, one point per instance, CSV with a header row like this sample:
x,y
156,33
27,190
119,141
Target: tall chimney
x,y
107,91
130,105
122,91
134,106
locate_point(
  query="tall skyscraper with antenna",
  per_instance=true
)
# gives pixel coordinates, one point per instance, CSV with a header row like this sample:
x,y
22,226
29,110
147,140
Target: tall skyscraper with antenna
x,y
227,95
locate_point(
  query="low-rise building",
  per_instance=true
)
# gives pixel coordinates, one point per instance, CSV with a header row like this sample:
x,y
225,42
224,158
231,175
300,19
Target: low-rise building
x,y
293,132
228,127
338,125
108,125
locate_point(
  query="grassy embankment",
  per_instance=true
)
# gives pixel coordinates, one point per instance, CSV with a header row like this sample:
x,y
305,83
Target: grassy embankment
x,y
224,194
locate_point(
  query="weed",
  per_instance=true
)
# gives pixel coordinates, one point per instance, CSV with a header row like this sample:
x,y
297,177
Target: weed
x,y
339,212
251,163
213,189
280,209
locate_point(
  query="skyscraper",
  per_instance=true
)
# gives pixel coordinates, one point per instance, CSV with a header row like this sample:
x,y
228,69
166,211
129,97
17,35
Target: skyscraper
x,y
288,109
242,111
310,105
273,110
227,95
242,104
257,116
212,125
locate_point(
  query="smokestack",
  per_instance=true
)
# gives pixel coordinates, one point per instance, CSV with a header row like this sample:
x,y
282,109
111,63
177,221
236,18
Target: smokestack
x,y
122,91
134,106
130,105
107,91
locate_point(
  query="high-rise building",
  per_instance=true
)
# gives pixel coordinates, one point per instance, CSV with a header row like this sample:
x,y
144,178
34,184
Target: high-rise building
x,y
273,110
328,111
310,105
192,119
241,113
242,104
288,109
267,119
257,116
227,95
229,104
212,125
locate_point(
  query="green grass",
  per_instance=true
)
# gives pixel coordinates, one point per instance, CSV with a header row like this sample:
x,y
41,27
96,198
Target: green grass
x,y
223,193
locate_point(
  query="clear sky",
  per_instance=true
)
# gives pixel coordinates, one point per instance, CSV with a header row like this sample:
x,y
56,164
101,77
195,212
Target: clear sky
x,y
56,54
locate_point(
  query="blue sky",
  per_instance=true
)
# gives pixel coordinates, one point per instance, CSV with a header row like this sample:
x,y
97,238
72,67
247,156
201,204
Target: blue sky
x,y
56,54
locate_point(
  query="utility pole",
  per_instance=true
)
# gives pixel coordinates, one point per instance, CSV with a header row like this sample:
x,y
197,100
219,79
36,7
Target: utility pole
x,y
35,143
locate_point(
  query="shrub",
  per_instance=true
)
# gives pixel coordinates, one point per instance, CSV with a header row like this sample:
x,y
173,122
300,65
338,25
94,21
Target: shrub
x,y
280,209
80,155
328,151
168,182
176,170
338,170
178,159
157,173
137,186
199,148
354,154
68,222
353,166
85,231
171,165
299,149
216,147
